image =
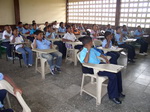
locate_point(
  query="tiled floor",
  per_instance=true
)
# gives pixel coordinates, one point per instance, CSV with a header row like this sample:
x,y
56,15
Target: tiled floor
x,y
60,93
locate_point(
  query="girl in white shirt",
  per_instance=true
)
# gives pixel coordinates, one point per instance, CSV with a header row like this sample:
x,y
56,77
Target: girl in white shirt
x,y
16,38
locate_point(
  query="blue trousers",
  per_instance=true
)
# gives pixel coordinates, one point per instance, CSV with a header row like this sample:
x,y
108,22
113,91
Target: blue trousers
x,y
130,49
8,48
144,45
114,84
27,58
114,57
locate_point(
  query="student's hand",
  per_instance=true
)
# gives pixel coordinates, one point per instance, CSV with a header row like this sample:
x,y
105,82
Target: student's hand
x,y
107,61
17,90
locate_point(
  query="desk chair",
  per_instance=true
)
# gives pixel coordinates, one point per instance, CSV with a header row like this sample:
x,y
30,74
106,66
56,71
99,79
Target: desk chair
x,y
5,85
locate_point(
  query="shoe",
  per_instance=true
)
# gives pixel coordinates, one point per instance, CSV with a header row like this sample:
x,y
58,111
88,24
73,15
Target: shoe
x,y
30,65
142,54
116,100
57,69
145,53
122,95
131,60
52,71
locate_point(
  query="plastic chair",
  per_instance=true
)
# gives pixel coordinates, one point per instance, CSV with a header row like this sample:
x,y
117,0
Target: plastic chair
x,y
42,27
97,43
96,89
5,85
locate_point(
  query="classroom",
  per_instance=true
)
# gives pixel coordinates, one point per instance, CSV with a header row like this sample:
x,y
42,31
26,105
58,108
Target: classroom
x,y
74,55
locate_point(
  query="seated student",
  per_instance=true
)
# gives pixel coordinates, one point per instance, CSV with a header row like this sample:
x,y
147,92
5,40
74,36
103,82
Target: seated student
x,y
20,27
94,31
120,40
4,92
41,43
26,29
107,43
46,24
70,37
61,28
50,32
75,30
144,45
34,22
125,32
16,38
112,31
54,25
90,55
6,42
34,28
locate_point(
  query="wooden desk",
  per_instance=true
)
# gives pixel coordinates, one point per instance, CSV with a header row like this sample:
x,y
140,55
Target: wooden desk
x,y
45,51
111,49
105,67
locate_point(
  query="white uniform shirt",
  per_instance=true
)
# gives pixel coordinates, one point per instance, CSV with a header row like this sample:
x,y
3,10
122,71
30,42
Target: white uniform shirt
x,y
7,34
70,36
18,39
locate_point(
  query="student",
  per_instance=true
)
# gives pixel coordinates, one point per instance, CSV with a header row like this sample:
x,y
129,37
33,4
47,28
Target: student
x,y
32,31
61,28
4,92
54,24
94,31
90,55
109,29
144,45
75,30
20,27
46,25
6,42
50,32
107,43
16,38
120,40
26,29
41,43
70,37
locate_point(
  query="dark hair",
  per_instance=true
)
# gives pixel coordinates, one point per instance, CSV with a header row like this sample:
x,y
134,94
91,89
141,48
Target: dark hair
x,y
123,26
25,24
93,25
14,29
68,26
61,23
107,33
118,27
85,39
108,25
72,25
46,22
33,24
19,23
38,32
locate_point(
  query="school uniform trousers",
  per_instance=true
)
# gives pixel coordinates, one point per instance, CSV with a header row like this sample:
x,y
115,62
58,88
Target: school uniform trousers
x,y
114,84
130,49
8,48
2,97
144,45
114,57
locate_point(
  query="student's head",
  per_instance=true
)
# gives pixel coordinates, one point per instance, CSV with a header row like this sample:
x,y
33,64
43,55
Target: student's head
x,y
33,22
139,28
73,26
124,27
46,23
15,31
69,29
109,26
108,35
55,23
20,24
118,29
34,25
26,26
49,28
94,27
86,40
39,34
61,24
7,28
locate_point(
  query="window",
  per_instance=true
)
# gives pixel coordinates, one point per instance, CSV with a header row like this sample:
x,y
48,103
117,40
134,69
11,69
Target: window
x,y
135,12
92,11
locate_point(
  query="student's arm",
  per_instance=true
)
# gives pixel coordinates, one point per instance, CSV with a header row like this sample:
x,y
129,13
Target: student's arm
x,y
108,43
34,44
7,37
86,59
121,37
66,40
107,61
11,82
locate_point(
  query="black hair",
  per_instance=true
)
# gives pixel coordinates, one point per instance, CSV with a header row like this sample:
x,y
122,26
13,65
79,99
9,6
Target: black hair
x,y
107,33
14,29
85,39
68,26
108,25
46,22
33,24
25,24
72,25
19,23
38,32
117,28
61,23
123,26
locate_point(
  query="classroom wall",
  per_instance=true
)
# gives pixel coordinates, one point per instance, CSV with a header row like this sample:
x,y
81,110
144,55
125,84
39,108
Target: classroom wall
x,y
42,10
7,15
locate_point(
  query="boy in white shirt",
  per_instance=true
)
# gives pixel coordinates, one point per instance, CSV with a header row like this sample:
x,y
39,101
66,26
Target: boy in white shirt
x,y
6,40
16,38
